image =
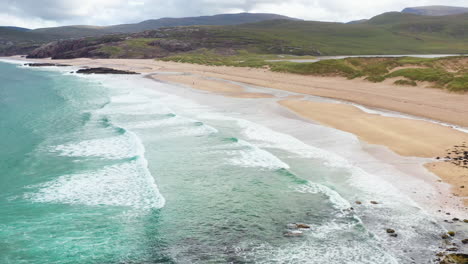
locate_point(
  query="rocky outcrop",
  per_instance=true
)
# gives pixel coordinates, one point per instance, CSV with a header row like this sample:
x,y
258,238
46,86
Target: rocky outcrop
x,y
74,48
455,259
10,50
45,65
103,70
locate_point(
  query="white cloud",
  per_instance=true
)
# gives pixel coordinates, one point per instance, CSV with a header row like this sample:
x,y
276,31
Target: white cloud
x,y
34,13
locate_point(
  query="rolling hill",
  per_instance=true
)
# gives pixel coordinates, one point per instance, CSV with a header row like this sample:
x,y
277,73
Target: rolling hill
x,y
223,19
14,40
16,28
389,33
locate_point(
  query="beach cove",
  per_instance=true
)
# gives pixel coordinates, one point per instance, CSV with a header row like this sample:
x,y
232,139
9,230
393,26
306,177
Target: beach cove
x,y
373,169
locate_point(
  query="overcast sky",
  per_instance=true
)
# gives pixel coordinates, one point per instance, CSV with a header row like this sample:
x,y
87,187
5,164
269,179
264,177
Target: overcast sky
x,y
46,13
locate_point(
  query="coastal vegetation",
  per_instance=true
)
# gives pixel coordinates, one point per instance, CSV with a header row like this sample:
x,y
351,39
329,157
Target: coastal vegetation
x,y
449,73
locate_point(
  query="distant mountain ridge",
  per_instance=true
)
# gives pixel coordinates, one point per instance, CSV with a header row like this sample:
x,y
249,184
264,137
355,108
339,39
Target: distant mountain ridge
x,y
389,33
152,24
436,10
218,20
393,32
16,28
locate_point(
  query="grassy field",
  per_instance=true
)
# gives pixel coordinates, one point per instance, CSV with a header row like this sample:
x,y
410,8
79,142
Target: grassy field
x,y
449,73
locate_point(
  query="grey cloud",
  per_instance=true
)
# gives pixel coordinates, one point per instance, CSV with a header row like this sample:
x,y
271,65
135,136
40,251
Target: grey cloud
x,y
106,12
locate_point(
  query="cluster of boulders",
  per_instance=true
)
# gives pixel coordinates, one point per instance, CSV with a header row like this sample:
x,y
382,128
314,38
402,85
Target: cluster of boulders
x,y
458,155
454,258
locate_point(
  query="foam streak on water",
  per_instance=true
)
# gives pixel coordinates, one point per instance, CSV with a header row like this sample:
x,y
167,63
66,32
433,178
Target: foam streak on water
x,y
127,184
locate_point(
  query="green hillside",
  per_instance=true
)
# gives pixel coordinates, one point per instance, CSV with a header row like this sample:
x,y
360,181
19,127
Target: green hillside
x,y
79,31
220,20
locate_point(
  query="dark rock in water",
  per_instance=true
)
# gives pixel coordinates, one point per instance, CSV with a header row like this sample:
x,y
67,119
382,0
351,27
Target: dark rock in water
x,y
455,219
465,220
393,235
374,202
298,226
451,233
465,241
358,202
45,65
452,249
455,258
445,236
102,70
303,226
293,233
390,231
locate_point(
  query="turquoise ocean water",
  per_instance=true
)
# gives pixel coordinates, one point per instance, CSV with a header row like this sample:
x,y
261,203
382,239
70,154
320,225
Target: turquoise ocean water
x,y
101,170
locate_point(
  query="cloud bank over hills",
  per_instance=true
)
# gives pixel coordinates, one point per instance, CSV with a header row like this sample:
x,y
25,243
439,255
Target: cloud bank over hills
x,y
47,13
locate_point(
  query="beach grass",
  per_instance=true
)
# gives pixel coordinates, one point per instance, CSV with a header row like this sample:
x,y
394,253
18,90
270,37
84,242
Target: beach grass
x,y
448,72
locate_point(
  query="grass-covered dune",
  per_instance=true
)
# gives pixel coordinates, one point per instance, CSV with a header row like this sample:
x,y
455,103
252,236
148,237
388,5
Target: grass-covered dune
x,y
449,73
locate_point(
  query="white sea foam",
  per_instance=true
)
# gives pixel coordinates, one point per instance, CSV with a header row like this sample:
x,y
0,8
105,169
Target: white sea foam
x,y
12,61
117,147
167,122
319,250
194,131
129,98
136,109
127,184
337,201
271,139
252,156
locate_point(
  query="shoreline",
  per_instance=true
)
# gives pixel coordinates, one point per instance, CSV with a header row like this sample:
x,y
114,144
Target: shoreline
x,y
405,137
435,104
207,78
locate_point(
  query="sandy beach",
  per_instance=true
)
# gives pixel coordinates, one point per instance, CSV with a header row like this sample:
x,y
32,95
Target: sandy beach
x,y
404,136
419,101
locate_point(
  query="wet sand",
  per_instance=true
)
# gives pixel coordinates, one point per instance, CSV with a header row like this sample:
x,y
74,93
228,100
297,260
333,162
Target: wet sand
x,y
406,137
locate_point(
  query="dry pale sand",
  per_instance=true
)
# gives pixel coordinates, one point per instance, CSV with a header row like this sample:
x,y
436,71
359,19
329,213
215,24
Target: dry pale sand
x,y
404,136
201,83
452,174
